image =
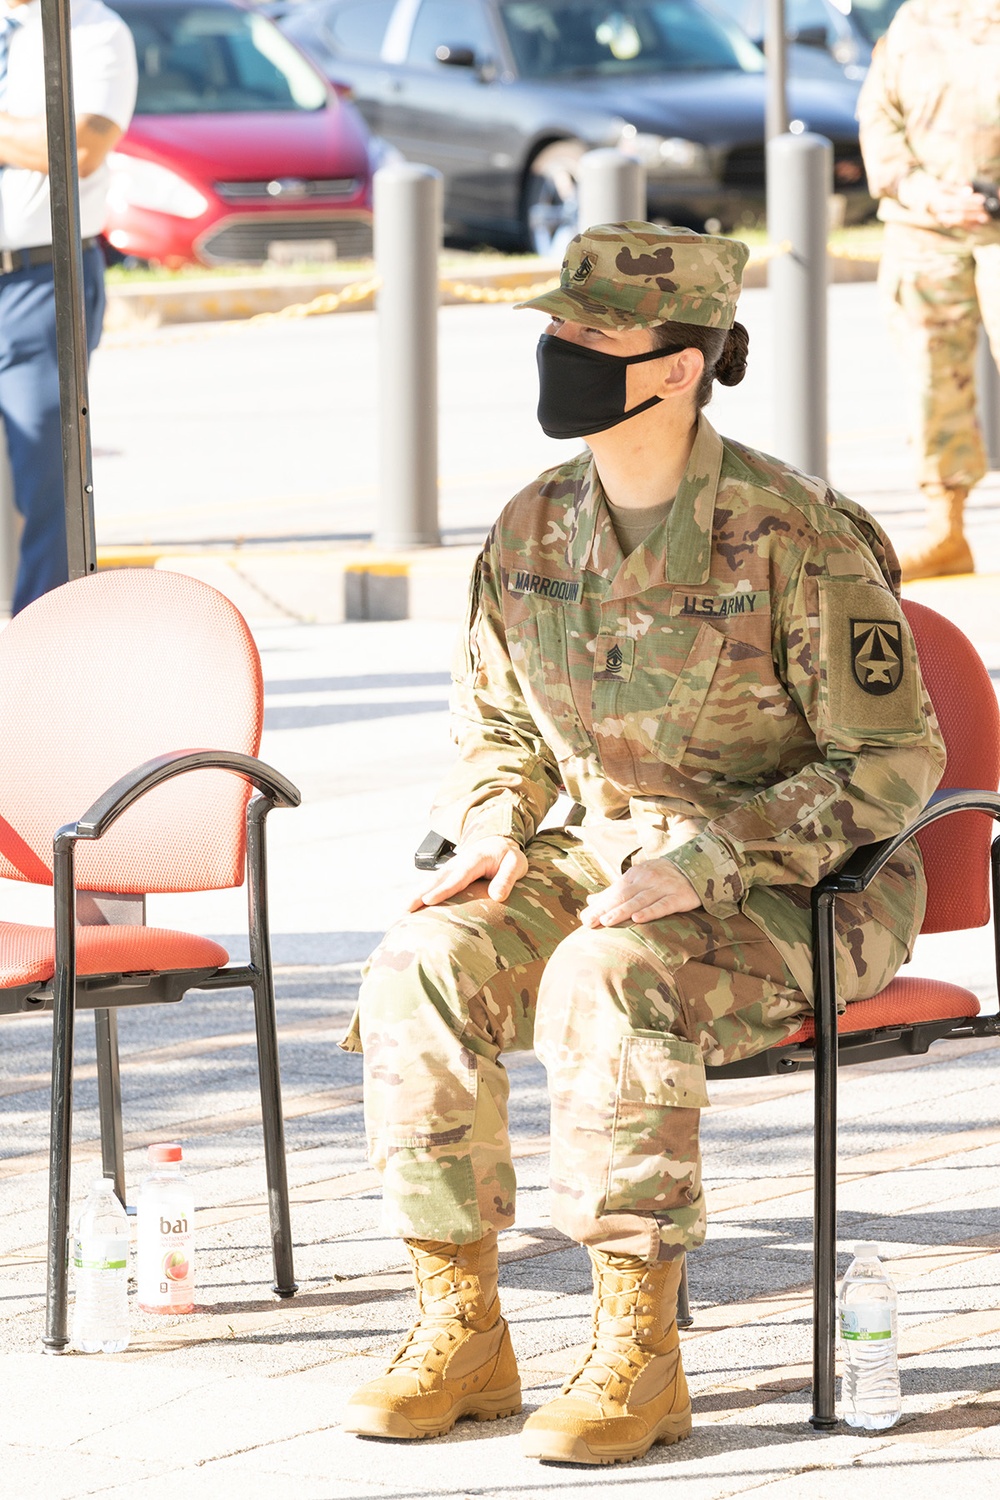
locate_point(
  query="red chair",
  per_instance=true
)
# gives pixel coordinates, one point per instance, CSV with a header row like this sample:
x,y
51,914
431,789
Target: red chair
x,y
910,1014
134,706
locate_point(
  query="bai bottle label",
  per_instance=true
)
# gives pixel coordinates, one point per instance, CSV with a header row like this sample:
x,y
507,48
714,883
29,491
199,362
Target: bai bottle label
x,y
166,1262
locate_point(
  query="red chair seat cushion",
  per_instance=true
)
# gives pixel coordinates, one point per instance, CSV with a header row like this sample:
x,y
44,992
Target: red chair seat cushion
x,y
903,1002
28,954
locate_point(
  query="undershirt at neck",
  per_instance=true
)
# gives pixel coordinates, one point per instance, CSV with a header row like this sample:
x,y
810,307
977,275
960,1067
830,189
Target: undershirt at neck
x,y
632,527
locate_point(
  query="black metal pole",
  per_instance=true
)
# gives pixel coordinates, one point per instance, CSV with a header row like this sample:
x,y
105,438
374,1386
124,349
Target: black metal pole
x,y
824,1416
267,1048
775,50
61,1137
67,266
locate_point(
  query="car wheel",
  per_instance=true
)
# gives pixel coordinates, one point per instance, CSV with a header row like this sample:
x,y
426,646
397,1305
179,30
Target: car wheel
x,y
550,198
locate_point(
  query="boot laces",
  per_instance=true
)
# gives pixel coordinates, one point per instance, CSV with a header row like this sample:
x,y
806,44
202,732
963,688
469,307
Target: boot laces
x,y
616,1353
439,1289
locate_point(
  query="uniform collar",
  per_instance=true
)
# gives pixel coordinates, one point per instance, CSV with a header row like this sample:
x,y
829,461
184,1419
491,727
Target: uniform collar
x,y
679,550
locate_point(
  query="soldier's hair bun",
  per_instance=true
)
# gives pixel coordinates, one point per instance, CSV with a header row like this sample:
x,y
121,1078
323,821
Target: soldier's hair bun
x,y
732,362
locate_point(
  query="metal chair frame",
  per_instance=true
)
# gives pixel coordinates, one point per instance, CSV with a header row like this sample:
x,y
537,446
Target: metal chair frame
x,y
828,1049
66,992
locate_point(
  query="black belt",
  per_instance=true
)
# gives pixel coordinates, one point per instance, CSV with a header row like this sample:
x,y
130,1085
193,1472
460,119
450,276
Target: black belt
x,y
34,255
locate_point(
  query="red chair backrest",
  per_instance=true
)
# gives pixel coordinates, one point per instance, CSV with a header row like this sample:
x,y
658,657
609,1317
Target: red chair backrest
x,y
98,677
956,850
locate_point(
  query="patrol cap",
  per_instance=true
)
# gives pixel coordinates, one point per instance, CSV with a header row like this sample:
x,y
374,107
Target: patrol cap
x,y
635,275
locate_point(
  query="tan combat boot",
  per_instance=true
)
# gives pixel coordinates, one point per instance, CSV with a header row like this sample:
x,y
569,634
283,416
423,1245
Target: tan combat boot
x,y
943,549
456,1361
630,1391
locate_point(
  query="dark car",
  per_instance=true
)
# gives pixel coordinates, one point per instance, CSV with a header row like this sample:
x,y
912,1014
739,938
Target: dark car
x,y
843,30
505,96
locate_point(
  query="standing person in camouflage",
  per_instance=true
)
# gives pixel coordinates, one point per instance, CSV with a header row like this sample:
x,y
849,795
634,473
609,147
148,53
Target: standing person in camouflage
x,y
705,648
930,130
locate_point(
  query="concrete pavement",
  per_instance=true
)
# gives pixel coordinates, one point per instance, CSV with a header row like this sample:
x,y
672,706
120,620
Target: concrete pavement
x,y
242,1399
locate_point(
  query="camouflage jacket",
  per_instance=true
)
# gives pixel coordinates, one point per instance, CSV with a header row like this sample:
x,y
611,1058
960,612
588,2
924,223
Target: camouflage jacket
x,y
741,693
930,106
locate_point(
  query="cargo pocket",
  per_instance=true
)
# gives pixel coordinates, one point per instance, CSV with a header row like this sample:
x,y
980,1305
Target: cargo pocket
x,y
688,694
654,1140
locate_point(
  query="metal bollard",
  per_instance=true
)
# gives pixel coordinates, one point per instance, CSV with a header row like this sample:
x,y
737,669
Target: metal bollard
x,y
799,184
988,391
611,189
11,526
408,202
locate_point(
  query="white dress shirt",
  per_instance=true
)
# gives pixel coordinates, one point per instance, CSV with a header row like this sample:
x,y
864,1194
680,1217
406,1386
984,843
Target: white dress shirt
x,y
104,83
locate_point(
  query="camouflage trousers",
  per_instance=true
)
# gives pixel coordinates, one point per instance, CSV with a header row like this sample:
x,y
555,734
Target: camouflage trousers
x,y
624,1020
937,285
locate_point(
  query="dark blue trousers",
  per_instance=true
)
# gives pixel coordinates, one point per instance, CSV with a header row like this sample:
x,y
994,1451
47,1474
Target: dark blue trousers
x,y
29,406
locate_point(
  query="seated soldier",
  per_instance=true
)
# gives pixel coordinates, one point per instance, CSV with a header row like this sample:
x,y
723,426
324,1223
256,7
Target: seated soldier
x,y
706,649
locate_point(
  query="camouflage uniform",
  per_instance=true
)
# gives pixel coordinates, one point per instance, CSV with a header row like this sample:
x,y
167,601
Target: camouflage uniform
x,y
930,112
741,696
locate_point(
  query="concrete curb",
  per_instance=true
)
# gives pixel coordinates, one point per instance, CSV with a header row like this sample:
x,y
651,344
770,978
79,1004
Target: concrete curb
x,y
217,299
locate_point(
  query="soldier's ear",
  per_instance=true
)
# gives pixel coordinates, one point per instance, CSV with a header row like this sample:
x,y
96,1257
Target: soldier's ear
x,y
682,373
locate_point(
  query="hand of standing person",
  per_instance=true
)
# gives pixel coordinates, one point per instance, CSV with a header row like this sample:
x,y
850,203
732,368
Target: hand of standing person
x,y
655,888
496,859
956,205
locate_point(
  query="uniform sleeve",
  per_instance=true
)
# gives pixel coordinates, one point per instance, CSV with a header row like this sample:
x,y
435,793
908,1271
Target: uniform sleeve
x,y
506,778
891,165
105,76
845,653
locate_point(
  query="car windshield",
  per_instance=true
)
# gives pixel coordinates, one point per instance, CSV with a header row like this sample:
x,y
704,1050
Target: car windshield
x,y
571,37
210,60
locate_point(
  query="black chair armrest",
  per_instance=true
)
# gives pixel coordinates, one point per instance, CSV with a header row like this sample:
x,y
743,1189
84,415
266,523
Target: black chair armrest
x,y
860,869
153,773
434,852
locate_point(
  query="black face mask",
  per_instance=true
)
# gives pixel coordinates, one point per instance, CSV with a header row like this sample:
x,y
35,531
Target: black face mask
x,y
581,391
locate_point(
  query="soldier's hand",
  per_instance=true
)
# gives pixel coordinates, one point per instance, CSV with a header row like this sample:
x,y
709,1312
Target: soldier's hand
x,y
498,860
645,892
956,205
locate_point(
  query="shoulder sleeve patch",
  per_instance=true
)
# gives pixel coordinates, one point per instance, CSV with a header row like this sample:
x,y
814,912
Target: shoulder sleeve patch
x,y
872,688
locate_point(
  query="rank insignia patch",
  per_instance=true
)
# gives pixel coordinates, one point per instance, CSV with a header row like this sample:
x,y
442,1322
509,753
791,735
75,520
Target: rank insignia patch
x,y
876,656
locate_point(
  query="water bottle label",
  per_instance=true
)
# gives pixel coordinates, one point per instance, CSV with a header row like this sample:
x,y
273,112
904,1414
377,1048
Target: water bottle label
x,y
102,1252
867,1321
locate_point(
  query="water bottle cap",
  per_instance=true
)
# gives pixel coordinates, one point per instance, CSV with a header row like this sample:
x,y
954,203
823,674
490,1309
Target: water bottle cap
x,y
165,1153
866,1250
103,1185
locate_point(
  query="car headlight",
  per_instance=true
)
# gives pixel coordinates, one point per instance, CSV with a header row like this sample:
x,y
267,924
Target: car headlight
x,y
145,184
670,153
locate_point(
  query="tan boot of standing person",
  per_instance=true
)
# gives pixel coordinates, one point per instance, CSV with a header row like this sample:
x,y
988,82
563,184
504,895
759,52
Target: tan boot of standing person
x,y
630,1391
943,549
456,1361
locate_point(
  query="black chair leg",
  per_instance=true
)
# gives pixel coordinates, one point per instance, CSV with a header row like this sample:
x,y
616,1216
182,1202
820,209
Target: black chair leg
x,y
684,1318
61,1131
267,1051
824,1416
109,1097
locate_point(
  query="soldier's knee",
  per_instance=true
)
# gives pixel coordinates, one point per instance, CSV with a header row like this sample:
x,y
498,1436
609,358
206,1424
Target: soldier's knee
x,y
417,967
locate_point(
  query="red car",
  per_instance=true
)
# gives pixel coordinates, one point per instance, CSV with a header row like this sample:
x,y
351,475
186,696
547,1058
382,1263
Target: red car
x,y
239,151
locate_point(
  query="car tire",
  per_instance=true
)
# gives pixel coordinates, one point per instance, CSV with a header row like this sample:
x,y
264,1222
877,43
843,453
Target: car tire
x,y
550,198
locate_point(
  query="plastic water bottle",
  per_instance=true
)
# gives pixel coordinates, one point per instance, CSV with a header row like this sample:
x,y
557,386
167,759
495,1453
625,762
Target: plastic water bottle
x,y
100,1261
867,1313
165,1212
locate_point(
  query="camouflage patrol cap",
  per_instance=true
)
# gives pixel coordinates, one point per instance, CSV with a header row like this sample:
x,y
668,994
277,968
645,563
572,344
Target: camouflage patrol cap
x,y
635,275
